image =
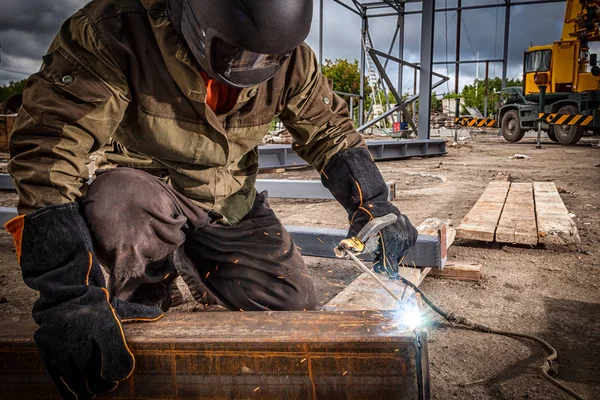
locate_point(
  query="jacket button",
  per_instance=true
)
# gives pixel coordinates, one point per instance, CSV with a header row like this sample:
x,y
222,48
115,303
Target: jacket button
x,y
326,100
252,93
67,79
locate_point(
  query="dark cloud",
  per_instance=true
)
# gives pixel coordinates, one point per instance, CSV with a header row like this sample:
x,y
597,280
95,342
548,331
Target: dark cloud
x,y
28,26
26,29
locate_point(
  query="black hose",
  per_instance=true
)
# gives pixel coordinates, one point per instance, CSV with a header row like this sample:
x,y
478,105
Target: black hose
x,y
549,367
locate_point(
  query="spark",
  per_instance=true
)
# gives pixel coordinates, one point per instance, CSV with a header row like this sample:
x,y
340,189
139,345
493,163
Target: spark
x,y
236,261
207,274
308,276
266,234
257,389
241,310
320,240
304,359
280,277
217,267
345,372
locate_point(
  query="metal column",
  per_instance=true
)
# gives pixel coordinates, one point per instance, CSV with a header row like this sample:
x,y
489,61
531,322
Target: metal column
x,y
506,40
321,35
427,28
363,63
401,56
458,30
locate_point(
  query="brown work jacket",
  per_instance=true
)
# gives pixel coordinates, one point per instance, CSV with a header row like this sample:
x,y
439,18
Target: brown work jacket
x,y
118,74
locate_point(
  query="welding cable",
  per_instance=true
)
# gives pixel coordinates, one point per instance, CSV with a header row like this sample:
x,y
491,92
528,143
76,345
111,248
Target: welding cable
x,y
550,366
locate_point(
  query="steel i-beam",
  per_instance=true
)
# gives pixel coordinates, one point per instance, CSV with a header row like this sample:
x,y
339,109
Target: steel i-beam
x,y
428,252
250,355
277,156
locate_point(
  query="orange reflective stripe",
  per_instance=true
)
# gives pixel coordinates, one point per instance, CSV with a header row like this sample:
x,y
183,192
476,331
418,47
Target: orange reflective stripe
x,y
359,192
87,277
122,335
562,119
367,211
15,226
575,119
69,389
587,120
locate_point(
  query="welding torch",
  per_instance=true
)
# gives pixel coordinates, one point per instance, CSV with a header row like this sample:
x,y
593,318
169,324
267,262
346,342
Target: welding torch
x,y
366,240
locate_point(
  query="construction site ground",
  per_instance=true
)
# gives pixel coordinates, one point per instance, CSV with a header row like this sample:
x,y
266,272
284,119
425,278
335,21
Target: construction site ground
x,y
553,293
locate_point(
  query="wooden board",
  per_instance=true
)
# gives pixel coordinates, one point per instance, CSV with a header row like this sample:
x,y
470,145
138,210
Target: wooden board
x,y
364,293
517,223
554,225
460,271
480,223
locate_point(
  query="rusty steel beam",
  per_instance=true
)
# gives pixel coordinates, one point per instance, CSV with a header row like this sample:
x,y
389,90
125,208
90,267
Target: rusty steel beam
x,y
258,355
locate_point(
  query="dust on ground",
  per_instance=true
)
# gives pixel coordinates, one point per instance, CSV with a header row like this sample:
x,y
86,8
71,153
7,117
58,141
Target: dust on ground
x,y
550,292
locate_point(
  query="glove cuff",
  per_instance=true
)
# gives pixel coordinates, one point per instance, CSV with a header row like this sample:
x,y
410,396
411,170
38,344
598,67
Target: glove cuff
x,y
354,180
55,251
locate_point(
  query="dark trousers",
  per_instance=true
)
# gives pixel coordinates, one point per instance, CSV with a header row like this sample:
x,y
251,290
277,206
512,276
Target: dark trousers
x,y
146,234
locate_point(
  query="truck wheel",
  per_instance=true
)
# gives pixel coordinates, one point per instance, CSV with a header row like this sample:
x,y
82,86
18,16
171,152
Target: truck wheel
x,y
511,127
568,134
551,134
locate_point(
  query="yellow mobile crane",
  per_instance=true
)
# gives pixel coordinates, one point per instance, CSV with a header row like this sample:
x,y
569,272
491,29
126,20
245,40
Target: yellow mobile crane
x,y
571,79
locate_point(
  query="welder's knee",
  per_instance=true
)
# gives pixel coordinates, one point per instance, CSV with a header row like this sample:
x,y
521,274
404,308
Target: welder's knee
x,y
132,218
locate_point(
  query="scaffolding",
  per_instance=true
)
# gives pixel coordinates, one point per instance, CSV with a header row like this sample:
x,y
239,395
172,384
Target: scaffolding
x,y
367,10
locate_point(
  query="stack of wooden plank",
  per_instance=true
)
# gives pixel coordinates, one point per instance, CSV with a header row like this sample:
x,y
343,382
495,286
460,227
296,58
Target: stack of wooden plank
x,y
519,213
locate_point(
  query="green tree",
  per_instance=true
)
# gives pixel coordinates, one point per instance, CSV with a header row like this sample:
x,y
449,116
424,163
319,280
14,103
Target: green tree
x,y
14,87
474,95
345,76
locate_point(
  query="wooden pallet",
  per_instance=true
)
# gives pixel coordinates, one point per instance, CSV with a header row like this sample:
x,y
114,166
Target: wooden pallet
x,y
519,213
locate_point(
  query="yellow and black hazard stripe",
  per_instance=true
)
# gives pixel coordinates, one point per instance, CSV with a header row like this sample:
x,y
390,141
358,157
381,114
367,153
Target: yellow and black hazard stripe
x,y
475,122
566,119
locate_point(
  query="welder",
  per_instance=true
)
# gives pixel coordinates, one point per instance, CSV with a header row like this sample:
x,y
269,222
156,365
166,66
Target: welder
x,y
174,97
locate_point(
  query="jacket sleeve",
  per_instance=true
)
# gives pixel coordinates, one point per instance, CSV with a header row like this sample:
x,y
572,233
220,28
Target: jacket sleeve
x,y
317,118
71,108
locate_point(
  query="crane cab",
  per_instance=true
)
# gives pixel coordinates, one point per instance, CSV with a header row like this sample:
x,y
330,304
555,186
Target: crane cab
x,y
561,67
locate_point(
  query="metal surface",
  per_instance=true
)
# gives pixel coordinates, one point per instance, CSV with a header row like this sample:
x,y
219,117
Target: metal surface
x,y
425,85
429,251
258,355
363,68
6,214
303,189
506,42
6,182
277,156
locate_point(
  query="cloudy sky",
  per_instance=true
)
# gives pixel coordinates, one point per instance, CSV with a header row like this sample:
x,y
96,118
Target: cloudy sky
x,y
28,26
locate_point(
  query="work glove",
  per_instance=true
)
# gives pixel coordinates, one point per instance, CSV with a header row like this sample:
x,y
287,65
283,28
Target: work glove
x,y
354,180
80,337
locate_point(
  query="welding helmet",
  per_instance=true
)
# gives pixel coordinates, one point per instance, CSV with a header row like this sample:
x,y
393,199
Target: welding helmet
x,y
241,43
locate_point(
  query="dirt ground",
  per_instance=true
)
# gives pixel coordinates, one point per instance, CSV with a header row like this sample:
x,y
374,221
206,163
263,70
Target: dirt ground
x,y
553,293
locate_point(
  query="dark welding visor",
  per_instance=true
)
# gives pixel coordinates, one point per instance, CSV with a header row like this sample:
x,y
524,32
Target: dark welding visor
x,y
243,68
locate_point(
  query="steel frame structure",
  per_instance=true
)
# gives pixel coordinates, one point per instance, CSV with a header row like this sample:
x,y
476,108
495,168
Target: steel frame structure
x,y
366,10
